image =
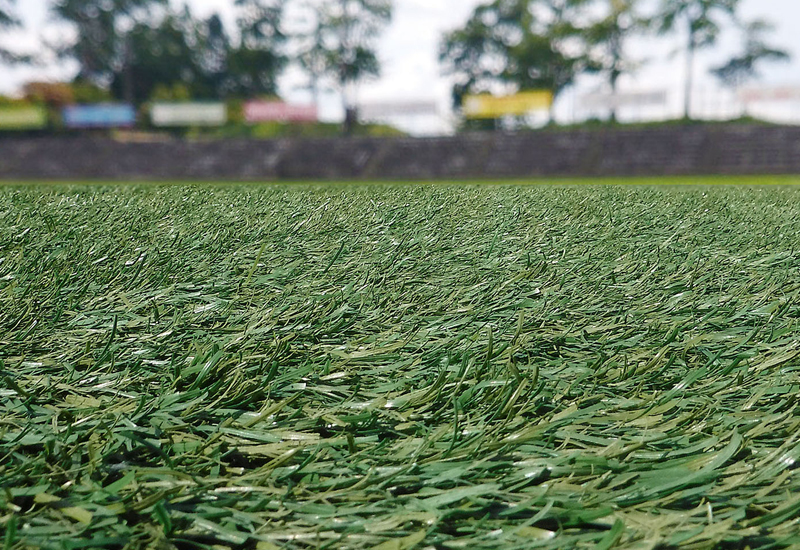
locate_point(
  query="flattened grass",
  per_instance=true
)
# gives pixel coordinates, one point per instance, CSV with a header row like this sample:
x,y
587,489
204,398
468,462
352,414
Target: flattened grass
x,y
399,367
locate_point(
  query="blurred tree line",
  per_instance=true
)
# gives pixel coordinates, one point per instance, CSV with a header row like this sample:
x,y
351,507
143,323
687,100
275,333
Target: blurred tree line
x,y
514,45
143,50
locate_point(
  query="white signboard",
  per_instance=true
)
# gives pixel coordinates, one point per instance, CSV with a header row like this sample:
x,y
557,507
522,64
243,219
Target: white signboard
x,y
378,110
188,114
656,98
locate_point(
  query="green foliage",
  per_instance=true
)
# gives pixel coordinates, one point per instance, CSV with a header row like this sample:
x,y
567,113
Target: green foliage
x,y
175,92
8,20
154,52
743,67
260,23
699,18
165,58
274,130
6,101
8,17
253,66
606,38
88,92
101,46
253,71
388,366
346,31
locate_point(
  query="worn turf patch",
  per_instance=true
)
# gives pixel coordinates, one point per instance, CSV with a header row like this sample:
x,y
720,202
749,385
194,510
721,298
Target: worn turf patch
x,y
399,367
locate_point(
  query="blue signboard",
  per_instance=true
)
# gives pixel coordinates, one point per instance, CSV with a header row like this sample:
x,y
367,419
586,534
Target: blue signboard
x,y
105,115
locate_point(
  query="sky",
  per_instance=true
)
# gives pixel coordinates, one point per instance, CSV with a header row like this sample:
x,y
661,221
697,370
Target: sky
x,y
408,52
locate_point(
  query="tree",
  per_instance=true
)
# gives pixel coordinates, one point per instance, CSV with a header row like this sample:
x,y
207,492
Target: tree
x,y
179,55
702,24
310,52
606,38
516,45
741,68
260,22
7,16
55,94
213,52
339,43
101,45
161,56
8,20
256,63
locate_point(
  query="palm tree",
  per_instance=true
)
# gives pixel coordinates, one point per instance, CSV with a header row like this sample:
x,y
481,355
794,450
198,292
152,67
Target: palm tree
x,y
700,20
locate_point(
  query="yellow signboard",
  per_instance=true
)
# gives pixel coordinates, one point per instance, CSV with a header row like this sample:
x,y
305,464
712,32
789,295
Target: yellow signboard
x,y
22,117
489,106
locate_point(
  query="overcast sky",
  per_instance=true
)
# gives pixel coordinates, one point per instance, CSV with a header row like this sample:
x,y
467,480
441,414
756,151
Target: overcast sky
x,y
408,50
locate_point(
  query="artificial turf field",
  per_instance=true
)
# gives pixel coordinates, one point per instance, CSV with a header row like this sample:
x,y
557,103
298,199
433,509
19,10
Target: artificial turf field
x,y
400,366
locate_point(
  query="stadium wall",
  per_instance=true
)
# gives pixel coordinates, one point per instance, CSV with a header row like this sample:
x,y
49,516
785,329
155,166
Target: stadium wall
x,y
667,150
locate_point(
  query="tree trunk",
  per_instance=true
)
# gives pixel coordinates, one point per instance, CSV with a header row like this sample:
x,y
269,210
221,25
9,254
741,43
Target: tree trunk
x,y
350,119
127,66
687,93
614,78
616,67
315,91
349,111
348,123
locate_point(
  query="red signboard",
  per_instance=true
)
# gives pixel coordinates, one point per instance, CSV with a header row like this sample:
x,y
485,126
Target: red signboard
x,y
781,93
278,111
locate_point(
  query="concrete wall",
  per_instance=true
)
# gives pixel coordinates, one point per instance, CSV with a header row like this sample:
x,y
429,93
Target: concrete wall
x,y
702,149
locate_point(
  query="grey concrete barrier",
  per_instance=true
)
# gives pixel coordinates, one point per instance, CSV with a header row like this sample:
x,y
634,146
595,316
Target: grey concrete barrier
x,y
666,150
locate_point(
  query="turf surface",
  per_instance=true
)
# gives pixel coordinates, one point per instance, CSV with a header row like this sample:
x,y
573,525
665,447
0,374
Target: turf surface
x,y
399,367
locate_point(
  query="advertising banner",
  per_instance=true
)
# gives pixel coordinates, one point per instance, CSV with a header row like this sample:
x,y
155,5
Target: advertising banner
x,y
22,117
781,93
489,106
105,115
278,111
654,98
188,114
371,111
